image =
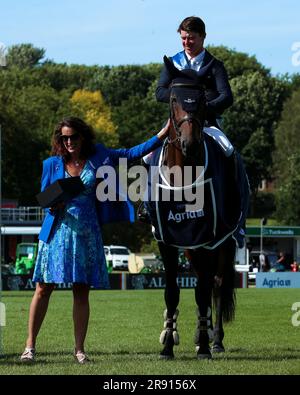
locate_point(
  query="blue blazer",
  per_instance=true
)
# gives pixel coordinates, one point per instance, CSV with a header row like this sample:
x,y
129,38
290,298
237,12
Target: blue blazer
x,y
214,76
108,211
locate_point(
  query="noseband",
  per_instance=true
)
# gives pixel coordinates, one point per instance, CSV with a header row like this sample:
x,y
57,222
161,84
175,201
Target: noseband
x,y
190,115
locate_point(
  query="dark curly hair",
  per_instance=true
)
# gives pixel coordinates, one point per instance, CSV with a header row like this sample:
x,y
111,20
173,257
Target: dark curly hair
x,y
79,126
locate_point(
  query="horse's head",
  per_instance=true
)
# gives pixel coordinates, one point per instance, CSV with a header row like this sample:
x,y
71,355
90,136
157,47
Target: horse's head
x,y
187,106
187,110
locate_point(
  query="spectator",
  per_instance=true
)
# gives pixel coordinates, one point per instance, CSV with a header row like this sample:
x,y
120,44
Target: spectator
x,y
295,266
281,262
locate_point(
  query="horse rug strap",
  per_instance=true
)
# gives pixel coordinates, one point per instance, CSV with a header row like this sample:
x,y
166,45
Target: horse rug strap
x,y
186,223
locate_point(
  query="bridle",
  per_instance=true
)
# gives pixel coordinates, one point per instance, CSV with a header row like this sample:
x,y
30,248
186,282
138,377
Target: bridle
x,y
189,117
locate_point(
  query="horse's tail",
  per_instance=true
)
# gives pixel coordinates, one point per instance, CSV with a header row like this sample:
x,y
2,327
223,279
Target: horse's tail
x,y
225,296
228,295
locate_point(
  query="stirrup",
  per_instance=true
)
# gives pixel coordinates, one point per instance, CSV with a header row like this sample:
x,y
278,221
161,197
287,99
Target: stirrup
x,y
28,355
81,357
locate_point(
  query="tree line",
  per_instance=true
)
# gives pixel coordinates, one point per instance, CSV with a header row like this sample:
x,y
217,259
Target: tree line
x,y
119,102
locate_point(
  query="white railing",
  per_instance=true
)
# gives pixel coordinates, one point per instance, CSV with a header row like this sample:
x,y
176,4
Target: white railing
x,y
22,215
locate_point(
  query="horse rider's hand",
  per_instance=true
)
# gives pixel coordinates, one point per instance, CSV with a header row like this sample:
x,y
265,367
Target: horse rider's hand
x,y
57,206
164,131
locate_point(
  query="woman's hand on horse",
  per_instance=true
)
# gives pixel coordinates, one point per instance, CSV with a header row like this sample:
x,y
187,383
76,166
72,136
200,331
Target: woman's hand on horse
x,y
164,131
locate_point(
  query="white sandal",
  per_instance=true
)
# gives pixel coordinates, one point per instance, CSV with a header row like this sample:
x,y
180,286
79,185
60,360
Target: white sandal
x,y
81,357
28,355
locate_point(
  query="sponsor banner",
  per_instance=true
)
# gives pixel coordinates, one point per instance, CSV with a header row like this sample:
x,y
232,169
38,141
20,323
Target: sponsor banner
x,y
275,231
278,280
122,280
157,281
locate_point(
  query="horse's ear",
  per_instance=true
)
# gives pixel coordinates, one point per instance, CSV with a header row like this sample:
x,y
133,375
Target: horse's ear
x,y
174,72
183,74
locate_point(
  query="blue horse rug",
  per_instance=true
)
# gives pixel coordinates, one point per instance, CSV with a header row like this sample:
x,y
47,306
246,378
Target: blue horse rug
x,y
177,217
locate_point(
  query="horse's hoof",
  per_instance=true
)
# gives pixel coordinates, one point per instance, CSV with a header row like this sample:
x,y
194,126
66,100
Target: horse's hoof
x,y
167,353
166,357
204,356
217,348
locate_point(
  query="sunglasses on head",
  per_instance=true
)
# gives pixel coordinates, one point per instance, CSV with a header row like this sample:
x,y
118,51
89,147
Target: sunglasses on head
x,y
72,137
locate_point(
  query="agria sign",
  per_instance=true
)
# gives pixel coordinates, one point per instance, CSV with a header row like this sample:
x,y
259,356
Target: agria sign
x,y
278,280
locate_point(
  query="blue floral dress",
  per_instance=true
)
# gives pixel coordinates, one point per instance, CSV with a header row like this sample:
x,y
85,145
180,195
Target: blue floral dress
x,y
75,249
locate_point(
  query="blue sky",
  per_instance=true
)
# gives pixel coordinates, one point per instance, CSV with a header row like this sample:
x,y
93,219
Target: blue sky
x,y
117,32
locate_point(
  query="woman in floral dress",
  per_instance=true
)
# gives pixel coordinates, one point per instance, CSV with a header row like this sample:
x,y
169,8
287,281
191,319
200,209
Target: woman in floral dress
x,y
70,242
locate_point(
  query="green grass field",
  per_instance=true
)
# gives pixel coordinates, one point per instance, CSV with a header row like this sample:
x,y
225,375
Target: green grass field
x,y
125,327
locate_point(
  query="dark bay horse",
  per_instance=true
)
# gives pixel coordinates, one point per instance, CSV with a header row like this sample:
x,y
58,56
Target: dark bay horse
x,y
206,231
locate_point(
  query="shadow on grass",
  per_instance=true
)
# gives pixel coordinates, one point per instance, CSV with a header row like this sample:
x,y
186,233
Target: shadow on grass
x,y
266,354
62,357
6,297
232,354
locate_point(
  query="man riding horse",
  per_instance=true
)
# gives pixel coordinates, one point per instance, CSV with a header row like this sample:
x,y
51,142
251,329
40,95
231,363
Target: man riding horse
x,y
213,74
214,78
208,230
196,86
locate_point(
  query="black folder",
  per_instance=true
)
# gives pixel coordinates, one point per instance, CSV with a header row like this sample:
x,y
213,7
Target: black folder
x,y
62,190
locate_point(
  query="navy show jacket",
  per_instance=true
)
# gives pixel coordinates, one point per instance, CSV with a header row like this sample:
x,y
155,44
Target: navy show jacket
x,y
217,88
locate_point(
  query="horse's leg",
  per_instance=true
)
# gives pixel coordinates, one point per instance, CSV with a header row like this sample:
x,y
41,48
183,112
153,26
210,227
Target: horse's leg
x,y
218,332
169,336
202,264
218,279
224,296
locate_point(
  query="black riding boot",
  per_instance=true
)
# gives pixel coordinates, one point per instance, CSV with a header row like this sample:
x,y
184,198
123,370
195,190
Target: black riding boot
x,y
169,336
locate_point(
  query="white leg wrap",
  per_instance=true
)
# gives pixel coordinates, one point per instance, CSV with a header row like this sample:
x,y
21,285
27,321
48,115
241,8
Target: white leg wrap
x,y
208,314
174,316
210,331
163,335
176,338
